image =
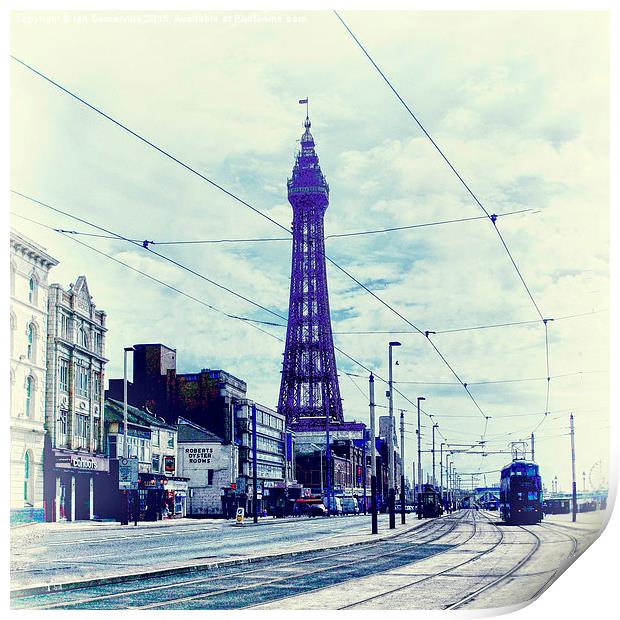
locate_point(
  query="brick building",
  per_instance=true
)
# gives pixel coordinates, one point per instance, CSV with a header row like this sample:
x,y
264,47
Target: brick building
x,y
217,402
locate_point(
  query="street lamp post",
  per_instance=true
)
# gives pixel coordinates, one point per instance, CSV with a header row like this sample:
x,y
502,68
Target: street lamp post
x,y
441,472
420,398
402,467
373,457
125,433
391,491
434,479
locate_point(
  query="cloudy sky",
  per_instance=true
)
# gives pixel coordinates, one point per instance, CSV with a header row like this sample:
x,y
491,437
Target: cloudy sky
x,y
518,101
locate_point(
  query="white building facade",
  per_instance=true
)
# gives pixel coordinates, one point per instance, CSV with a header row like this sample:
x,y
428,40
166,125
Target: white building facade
x,y
76,462
29,269
204,458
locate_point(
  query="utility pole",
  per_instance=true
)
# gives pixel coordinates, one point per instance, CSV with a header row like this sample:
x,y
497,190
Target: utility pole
x,y
373,457
572,454
413,484
584,481
126,493
441,472
448,484
402,467
434,479
391,491
533,447
328,455
419,462
254,473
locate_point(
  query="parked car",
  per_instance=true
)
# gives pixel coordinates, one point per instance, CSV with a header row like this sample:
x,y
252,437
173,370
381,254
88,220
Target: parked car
x,y
335,505
350,506
316,510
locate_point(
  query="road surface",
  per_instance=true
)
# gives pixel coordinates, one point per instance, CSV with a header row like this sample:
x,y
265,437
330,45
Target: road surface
x,y
467,559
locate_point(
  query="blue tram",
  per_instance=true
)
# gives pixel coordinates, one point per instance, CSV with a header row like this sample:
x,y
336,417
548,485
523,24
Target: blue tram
x,y
520,495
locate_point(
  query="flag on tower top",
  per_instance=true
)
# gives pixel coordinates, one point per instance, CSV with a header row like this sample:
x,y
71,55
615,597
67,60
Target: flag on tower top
x,y
303,100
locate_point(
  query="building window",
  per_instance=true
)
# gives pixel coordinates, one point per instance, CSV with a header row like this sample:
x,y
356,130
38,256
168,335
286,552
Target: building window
x,y
97,343
29,397
27,474
155,462
31,341
82,384
170,440
12,279
209,477
62,427
63,374
97,386
142,450
155,438
83,338
13,327
65,326
32,291
81,431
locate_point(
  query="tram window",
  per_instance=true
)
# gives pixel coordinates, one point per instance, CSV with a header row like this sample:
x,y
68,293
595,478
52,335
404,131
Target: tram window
x,y
532,495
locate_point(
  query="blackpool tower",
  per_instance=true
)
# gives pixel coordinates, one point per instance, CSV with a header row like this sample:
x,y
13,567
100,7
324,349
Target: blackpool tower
x,y
309,391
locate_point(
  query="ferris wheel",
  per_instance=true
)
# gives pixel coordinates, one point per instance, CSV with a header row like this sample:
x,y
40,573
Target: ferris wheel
x,y
597,478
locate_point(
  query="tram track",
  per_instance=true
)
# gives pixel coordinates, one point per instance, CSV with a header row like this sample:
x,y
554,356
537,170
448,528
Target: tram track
x,y
571,556
425,534
439,573
473,595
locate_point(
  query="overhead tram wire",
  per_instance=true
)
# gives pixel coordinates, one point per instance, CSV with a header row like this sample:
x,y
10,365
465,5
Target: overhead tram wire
x,y
163,256
466,329
491,217
267,239
241,201
246,320
150,143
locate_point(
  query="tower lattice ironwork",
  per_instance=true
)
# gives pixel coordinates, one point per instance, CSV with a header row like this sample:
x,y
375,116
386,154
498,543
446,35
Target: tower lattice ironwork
x,y
309,391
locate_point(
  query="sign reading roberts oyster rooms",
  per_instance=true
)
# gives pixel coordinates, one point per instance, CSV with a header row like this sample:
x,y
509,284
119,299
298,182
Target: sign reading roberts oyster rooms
x,y
199,455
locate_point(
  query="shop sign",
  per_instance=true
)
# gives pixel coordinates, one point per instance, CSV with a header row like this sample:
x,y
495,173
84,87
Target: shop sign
x,y
199,455
128,473
241,485
82,462
169,463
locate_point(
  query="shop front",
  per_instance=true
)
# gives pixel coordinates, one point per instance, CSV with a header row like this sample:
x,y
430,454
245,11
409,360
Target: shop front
x,y
152,494
72,484
176,497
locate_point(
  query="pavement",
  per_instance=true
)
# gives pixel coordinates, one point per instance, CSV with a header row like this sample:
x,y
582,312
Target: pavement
x,y
55,555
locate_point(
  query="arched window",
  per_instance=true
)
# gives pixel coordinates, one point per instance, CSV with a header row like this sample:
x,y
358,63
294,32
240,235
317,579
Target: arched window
x,y
12,279
83,337
32,335
13,326
29,397
32,290
27,473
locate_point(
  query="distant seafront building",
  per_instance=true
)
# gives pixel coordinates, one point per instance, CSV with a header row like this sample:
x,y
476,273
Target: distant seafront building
x,y
29,268
75,460
309,390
